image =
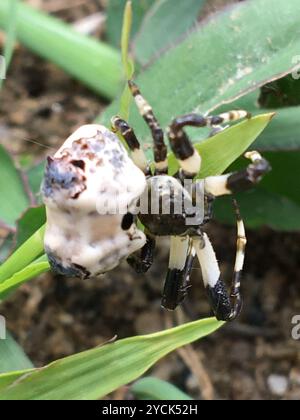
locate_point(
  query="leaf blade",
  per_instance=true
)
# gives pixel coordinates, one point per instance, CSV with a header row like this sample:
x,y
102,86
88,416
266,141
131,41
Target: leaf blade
x,y
181,81
170,23
13,198
95,373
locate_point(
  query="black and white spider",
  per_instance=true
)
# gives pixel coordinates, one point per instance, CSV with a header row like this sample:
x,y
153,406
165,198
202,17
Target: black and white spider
x,y
92,175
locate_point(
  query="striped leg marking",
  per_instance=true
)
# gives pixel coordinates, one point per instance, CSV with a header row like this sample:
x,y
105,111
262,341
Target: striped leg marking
x,y
239,181
182,255
160,148
182,147
252,175
225,307
239,264
138,156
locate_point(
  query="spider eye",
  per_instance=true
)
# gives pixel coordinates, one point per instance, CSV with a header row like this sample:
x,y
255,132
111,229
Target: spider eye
x,y
127,221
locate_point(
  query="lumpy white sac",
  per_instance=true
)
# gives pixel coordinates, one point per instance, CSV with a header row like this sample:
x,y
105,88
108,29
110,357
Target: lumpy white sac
x,y
89,185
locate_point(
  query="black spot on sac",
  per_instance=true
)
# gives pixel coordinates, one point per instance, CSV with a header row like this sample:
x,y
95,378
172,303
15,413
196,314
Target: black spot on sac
x,y
127,221
78,164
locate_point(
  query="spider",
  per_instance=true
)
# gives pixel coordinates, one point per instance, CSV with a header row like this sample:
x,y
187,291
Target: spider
x,y
92,176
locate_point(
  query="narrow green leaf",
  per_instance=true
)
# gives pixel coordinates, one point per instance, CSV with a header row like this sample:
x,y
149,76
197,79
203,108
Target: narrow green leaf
x,y
115,12
126,31
13,199
163,26
32,249
12,356
95,373
128,64
156,389
29,223
7,378
90,61
10,37
31,271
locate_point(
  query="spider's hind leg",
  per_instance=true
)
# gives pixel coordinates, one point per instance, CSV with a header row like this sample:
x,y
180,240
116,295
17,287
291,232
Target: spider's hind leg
x,y
226,307
182,255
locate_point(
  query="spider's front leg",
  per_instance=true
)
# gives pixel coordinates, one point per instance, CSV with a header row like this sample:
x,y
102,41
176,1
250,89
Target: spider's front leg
x,y
226,307
181,145
121,127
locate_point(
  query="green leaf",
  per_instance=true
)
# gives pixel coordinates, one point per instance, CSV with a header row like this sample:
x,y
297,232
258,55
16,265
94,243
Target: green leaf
x,y
128,64
20,277
115,12
94,63
32,249
95,373
163,26
10,30
7,247
35,176
156,389
261,207
12,356
13,198
283,133
275,202
29,223
233,53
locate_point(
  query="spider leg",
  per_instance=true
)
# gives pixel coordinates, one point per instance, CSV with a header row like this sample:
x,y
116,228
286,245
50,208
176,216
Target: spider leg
x,y
226,307
239,181
182,255
143,261
160,148
183,149
138,156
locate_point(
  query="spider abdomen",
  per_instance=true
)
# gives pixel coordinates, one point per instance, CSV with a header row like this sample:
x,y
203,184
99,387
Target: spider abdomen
x,y
89,186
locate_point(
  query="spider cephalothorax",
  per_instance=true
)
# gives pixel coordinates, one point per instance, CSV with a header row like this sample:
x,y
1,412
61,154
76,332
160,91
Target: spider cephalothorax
x,y
94,194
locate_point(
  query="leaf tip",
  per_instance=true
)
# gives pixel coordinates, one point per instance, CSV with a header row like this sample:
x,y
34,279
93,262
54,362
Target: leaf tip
x,y
272,115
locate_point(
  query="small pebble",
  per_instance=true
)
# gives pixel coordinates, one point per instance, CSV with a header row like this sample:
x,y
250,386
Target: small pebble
x,y
278,385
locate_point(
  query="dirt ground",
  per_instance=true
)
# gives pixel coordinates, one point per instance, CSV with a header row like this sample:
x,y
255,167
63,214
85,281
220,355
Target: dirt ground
x,y
51,317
